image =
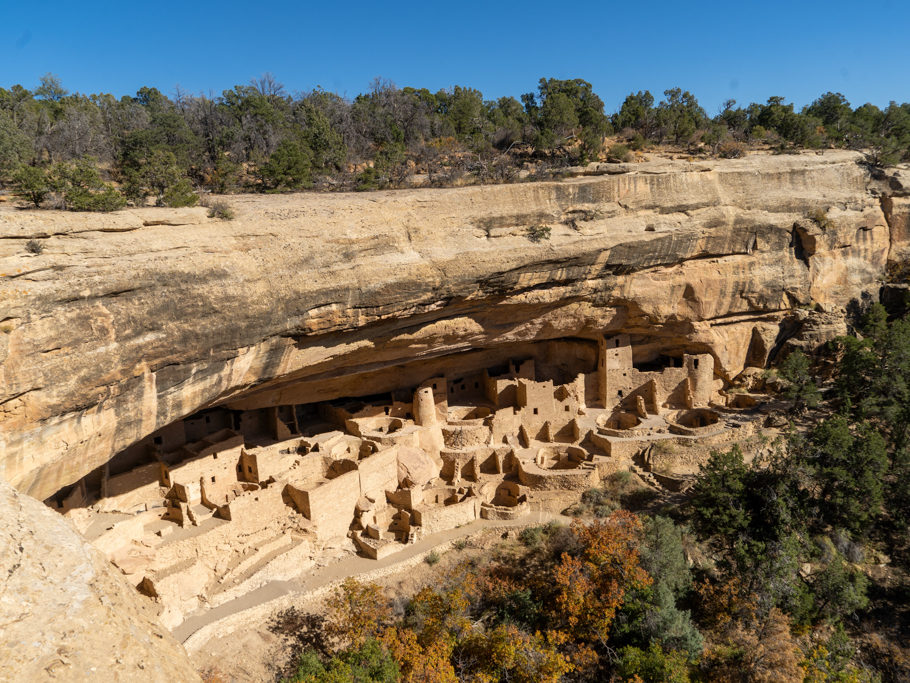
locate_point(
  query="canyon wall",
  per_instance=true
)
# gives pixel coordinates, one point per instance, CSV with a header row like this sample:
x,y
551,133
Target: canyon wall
x,y
128,321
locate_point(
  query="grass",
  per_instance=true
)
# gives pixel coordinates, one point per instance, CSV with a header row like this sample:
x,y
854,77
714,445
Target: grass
x,y
221,210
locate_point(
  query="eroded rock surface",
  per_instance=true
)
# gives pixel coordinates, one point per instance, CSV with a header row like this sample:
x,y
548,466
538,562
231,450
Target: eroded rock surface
x,y
130,321
66,614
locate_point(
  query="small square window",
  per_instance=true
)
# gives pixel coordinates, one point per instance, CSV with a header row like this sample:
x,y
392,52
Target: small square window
x,y
434,386
158,440
619,393
535,411
567,409
249,469
213,480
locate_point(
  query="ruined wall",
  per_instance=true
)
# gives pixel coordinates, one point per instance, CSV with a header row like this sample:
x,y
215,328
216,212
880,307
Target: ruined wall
x,y
129,321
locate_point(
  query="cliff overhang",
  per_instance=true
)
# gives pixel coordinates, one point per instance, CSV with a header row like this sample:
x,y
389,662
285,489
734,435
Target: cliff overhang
x,y
127,322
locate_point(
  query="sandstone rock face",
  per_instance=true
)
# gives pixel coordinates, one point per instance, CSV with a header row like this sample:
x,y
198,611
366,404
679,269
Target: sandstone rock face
x,y
129,321
66,614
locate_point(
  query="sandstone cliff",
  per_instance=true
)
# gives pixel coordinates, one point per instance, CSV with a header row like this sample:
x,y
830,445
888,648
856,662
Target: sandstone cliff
x,y
66,614
129,321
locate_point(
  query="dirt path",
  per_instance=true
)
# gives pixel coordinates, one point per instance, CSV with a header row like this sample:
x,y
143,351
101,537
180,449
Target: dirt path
x,y
275,595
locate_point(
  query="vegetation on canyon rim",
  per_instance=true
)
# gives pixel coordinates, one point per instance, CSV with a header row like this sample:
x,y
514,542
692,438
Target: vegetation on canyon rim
x,y
765,573
96,153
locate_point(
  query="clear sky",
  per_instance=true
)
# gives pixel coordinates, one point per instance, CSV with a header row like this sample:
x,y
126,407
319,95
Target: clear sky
x,y
747,51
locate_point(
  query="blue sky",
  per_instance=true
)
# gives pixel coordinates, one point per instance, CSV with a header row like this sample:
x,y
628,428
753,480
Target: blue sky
x,y
718,50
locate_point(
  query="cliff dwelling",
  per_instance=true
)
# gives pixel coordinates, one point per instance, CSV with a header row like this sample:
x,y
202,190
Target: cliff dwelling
x,y
211,506
235,422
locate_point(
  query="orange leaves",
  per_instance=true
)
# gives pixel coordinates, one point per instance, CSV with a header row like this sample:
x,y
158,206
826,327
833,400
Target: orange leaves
x,y
593,585
419,663
525,618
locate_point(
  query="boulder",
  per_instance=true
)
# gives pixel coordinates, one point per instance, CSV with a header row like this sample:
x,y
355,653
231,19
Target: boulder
x,y
66,614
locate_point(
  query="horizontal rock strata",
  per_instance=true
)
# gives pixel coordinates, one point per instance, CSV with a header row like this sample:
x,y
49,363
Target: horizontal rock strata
x,y
128,321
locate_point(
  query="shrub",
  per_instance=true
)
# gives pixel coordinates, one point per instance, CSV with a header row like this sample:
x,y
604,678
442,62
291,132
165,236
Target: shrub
x,y
531,536
637,142
83,189
796,369
820,218
34,247
619,489
369,179
289,168
537,233
31,183
598,502
179,194
653,664
368,662
731,149
356,613
618,153
80,199
221,210
432,558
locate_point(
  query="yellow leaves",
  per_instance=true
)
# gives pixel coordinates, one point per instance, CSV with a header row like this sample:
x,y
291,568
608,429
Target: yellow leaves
x,y
764,650
356,612
480,626
441,612
505,652
418,663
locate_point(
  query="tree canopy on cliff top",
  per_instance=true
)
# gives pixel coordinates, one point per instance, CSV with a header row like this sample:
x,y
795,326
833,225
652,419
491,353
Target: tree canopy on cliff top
x,y
258,137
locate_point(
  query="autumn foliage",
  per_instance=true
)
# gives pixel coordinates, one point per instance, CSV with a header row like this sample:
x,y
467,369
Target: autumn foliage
x,y
593,584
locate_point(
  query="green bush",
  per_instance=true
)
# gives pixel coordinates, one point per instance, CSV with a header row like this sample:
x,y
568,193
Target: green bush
x,y
369,179
31,183
637,142
179,195
538,233
82,187
289,168
104,200
531,536
432,558
653,664
369,663
619,153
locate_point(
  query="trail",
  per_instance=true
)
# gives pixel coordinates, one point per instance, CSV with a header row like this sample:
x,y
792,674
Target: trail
x,y
198,626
